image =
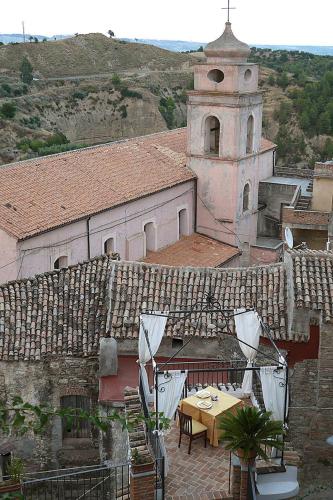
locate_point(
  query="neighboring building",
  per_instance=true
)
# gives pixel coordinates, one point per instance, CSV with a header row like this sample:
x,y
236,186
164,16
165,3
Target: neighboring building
x,y
309,216
142,195
51,327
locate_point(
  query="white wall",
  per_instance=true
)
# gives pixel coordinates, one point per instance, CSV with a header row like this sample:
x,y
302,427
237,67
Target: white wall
x,y
125,224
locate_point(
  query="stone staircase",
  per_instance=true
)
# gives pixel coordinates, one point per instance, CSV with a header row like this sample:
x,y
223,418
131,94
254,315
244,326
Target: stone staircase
x,y
303,203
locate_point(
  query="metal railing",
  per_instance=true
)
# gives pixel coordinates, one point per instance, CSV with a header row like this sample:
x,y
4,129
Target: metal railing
x,y
154,440
87,483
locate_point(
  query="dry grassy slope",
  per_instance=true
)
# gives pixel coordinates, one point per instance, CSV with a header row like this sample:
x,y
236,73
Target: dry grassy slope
x,y
88,55
97,118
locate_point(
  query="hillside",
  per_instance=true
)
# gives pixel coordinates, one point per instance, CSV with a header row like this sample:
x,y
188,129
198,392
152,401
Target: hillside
x,y
90,54
91,89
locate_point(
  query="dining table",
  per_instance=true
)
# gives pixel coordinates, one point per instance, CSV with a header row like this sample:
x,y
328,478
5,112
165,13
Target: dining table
x,y
210,417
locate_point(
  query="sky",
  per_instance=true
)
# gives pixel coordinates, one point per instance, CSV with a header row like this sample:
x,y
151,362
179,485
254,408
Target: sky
x,y
273,22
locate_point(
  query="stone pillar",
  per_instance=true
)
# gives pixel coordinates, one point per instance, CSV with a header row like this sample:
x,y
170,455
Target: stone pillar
x,y
142,485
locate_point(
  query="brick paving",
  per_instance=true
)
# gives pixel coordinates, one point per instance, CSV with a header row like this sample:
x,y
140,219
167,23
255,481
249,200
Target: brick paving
x,y
202,475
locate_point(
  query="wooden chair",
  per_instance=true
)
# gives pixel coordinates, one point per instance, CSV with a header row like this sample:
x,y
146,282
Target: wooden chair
x,y
191,428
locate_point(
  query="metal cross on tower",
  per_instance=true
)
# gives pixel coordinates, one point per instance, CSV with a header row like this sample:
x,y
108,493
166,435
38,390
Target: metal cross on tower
x,y
228,9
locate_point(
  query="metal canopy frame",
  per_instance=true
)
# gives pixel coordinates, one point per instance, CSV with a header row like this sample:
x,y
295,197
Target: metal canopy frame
x,y
210,305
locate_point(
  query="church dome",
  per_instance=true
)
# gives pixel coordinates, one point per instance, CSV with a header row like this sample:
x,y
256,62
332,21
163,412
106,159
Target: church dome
x,y
227,47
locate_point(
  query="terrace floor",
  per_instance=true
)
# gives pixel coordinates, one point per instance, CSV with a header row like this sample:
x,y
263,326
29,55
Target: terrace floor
x,y
202,475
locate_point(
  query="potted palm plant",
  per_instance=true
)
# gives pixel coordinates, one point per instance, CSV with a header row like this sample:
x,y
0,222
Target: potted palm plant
x,y
249,431
13,484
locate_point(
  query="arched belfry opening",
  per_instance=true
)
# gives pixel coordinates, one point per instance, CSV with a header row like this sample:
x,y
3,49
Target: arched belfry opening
x,y
212,135
249,135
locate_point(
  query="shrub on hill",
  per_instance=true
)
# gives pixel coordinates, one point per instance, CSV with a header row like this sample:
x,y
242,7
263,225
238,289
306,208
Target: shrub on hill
x,y
26,71
8,110
167,109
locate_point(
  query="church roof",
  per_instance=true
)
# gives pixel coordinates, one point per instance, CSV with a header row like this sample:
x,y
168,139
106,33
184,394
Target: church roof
x,y
66,312
228,47
44,193
195,250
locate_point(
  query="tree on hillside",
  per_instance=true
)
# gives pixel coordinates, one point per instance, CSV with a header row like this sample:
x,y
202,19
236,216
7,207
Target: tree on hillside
x,y
8,110
35,39
31,38
110,33
26,71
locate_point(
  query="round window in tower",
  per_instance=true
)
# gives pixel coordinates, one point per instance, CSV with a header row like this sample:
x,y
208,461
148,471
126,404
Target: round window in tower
x,y
248,75
216,75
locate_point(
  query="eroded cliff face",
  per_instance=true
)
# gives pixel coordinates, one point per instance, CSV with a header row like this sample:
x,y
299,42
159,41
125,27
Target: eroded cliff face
x,y
92,112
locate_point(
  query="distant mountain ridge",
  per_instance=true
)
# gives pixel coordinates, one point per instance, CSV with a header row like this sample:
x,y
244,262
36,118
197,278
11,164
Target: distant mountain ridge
x,y
182,46
18,37
176,45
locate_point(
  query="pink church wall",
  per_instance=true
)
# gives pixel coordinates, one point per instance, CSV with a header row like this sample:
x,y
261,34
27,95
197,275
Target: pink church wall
x,y
8,257
125,224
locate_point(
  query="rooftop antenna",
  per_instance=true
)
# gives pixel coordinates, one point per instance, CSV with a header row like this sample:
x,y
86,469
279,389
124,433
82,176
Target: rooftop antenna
x,y
23,29
228,9
289,239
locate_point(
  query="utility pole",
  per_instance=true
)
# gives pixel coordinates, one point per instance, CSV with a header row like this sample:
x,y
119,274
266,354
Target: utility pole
x,y
23,31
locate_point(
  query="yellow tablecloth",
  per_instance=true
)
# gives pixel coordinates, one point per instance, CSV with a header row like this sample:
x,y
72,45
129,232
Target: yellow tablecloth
x,y
210,418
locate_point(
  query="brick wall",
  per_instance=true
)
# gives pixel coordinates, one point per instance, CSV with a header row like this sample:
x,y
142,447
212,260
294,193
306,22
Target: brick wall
x,y
291,216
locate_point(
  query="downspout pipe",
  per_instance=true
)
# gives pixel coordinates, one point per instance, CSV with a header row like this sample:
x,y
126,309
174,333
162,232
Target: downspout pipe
x,y
88,237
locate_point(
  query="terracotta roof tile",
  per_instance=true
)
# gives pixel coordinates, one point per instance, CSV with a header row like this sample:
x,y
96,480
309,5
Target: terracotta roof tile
x,y
43,193
66,312
313,280
194,250
137,287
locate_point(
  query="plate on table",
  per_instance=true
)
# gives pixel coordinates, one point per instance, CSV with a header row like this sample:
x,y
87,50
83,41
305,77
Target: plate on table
x,y
204,405
203,394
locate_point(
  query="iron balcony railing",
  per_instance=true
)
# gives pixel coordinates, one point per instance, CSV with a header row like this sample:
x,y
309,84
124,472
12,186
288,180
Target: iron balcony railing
x,y
86,483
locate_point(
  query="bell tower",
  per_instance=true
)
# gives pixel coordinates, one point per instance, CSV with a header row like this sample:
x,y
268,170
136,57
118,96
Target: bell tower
x,y
224,141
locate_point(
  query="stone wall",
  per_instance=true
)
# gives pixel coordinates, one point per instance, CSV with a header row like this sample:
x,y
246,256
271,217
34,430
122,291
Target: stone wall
x,y
46,382
311,411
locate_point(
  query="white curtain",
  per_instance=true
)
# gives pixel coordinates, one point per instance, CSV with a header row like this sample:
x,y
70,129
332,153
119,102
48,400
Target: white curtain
x,y
155,326
273,384
172,383
248,329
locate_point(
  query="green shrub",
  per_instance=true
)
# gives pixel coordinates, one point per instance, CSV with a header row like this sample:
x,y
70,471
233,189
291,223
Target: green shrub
x,y
26,71
59,148
79,94
5,90
57,139
123,111
36,144
126,92
8,110
116,81
32,122
167,109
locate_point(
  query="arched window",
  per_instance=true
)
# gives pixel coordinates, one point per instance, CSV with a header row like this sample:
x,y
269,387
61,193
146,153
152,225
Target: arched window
x,y
246,198
78,428
249,136
212,135
109,246
61,262
182,223
149,230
